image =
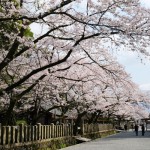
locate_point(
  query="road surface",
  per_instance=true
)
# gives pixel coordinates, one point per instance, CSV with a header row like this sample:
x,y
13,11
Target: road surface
x,y
122,141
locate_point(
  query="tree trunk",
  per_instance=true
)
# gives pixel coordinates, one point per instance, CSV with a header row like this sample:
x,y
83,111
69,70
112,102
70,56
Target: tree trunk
x,y
78,123
9,117
92,119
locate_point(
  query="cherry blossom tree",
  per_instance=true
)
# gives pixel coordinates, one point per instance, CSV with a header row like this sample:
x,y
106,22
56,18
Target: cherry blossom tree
x,y
69,31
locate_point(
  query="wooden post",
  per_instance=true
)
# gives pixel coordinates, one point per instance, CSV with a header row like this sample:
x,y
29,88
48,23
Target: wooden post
x,y
52,130
72,124
55,131
38,131
29,133
8,135
62,130
42,132
58,131
25,133
60,127
98,127
16,134
3,135
65,129
35,133
69,129
50,134
21,133
85,128
82,127
32,133
47,132
13,134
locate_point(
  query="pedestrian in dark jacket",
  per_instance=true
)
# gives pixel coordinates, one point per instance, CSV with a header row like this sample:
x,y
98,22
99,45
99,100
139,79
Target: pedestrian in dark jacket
x,y
136,129
125,127
143,129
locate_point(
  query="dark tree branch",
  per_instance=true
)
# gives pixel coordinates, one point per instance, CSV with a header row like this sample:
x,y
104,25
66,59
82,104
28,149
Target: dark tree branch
x,y
10,56
18,83
31,87
40,16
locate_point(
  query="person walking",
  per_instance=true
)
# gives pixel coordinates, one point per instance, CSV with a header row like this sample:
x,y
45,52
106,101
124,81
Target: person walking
x,y
136,129
143,129
125,127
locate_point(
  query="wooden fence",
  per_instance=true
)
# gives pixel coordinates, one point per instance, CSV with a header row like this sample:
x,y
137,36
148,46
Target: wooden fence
x,y
92,128
27,133
11,135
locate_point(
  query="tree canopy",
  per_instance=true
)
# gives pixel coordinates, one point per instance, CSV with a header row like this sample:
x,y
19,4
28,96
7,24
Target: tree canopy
x,y
68,52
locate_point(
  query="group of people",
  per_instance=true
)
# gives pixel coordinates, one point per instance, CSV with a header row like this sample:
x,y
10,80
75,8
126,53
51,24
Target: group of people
x,y
136,128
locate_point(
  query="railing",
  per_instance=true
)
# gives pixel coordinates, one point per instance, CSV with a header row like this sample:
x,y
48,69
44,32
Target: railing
x,y
23,134
91,128
26,133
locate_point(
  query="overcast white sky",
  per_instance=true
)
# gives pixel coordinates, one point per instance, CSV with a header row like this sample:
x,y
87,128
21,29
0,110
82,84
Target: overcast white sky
x,y
140,72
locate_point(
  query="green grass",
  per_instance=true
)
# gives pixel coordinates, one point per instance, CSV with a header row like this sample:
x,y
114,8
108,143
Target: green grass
x,y
21,121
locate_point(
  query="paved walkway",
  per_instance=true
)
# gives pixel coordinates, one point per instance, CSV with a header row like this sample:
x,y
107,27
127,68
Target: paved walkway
x,y
122,141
